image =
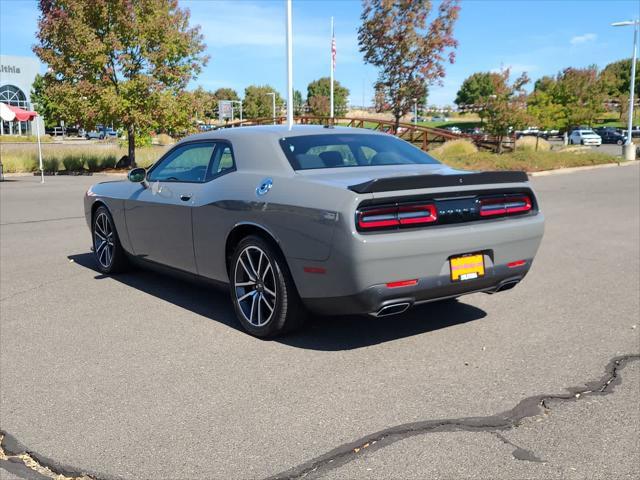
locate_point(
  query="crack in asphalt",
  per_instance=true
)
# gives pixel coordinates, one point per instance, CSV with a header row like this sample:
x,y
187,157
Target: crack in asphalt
x,y
25,463
40,221
528,407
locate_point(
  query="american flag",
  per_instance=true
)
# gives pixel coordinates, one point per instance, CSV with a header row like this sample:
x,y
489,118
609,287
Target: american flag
x,y
333,51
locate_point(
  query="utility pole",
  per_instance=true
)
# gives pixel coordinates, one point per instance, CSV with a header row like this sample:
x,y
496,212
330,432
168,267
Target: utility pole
x,y
629,150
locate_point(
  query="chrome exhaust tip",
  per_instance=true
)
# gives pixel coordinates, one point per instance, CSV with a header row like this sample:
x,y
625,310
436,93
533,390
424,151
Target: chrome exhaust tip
x,y
507,285
393,309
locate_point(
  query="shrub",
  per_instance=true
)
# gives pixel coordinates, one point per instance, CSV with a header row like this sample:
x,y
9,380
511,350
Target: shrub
x,y
528,143
454,148
72,163
51,164
18,164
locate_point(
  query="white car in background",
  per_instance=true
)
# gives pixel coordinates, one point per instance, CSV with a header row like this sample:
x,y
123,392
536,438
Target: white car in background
x,y
585,137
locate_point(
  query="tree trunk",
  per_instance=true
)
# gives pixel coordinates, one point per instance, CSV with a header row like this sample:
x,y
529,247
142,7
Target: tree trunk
x,y
500,144
131,138
397,123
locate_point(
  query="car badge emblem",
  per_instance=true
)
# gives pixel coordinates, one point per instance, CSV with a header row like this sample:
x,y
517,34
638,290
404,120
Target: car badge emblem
x,y
264,187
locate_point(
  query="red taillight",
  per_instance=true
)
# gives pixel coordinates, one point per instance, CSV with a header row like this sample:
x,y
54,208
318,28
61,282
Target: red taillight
x,y
504,205
402,283
395,216
412,214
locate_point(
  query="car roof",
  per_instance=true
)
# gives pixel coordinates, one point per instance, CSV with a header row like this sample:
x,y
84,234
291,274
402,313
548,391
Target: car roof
x,y
261,132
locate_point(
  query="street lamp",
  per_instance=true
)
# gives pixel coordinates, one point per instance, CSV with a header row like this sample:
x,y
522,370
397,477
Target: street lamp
x,y
273,98
629,149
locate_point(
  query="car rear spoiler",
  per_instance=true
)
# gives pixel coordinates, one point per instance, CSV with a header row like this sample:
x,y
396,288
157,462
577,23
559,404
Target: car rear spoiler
x,y
413,182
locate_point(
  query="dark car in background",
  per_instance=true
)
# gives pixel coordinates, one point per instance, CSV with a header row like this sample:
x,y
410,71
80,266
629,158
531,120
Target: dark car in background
x,y
611,135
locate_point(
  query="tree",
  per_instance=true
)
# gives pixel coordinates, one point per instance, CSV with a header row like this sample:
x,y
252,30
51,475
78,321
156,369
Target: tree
x,y
506,108
258,104
298,103
395,37
543,105
380,99
46,106
617,81
475,90
224,93
319,97
119,61
582,93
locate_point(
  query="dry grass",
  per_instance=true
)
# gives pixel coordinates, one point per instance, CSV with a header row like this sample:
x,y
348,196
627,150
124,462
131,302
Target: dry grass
x,y
95,157
24,139
454,148
529,143
527,160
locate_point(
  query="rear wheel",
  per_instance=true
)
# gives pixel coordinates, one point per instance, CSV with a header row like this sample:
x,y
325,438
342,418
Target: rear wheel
x,y
264,296
107,250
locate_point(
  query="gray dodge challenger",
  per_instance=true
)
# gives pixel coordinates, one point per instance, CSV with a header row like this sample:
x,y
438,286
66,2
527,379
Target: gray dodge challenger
x,y
331,220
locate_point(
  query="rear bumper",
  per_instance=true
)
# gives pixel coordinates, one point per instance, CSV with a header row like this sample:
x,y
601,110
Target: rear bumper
x,y
428,289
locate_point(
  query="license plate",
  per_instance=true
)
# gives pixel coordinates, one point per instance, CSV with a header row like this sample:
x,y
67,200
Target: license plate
x,y
466,267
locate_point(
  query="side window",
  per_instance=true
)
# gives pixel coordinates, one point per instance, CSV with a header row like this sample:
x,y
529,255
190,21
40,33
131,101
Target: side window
x,y
222,160
184,164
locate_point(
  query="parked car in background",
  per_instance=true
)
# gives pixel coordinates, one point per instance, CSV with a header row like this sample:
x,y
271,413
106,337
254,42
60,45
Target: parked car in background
x,y
611,135
439,119
529,131
334,220
585,137
100,133
454,129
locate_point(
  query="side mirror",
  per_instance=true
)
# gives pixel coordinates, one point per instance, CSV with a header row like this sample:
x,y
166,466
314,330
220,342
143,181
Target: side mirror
x,y
138,175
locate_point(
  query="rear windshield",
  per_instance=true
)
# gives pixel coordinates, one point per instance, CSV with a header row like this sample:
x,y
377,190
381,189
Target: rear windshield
x,y
350,150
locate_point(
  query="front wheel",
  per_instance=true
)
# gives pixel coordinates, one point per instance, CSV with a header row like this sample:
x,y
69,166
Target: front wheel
x,y
264,296
619,142
107,250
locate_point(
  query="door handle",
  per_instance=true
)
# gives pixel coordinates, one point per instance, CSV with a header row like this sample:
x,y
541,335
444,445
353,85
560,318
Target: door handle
x,y
185,197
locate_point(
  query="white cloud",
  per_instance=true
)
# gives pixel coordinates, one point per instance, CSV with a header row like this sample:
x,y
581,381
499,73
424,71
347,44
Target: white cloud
x,y
579,39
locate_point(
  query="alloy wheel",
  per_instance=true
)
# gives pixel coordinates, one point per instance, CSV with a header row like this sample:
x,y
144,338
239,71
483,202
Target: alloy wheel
x,y
103,240
255,286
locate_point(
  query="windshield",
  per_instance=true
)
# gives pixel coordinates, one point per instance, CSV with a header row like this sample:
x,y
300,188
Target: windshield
x,y
350,150
588,132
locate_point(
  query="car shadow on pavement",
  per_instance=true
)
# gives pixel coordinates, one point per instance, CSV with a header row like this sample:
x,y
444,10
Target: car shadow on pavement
x,y
320,333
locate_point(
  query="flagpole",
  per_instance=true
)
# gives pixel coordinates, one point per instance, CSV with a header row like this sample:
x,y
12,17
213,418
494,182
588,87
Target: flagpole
x,y
289,68
332,67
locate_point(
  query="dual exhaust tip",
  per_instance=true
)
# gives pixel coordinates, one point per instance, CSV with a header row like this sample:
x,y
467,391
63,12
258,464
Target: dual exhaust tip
x,y
400,307
392,309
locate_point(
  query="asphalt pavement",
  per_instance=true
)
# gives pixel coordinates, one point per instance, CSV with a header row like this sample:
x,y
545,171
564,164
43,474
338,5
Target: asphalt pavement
x,y
141,376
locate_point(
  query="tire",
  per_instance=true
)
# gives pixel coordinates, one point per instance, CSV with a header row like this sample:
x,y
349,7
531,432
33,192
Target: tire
x,y
581,142
619,142
109,254
261,286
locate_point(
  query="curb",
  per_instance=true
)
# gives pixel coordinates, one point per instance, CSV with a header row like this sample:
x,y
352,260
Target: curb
x,y
561,171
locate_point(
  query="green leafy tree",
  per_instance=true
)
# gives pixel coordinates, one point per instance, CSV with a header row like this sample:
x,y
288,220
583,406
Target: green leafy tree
x,y
544,105
582,93
506,108
319,97
475,90
410,52
119,61
224,93
258,104
298,103
616,78
46,106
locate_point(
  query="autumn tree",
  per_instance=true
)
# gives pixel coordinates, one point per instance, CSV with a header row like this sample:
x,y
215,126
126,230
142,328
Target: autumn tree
x,y
318,97
544,105
257,102
505,109
410,51
119,61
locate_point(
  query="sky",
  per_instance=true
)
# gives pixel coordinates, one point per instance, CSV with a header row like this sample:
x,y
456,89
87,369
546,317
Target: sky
x,y
246,40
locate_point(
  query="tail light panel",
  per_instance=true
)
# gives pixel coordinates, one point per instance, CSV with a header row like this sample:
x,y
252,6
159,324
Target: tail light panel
x,y
396,216
440,211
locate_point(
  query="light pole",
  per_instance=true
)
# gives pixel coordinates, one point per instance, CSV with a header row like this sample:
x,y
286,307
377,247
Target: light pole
x,y
629,150
273,105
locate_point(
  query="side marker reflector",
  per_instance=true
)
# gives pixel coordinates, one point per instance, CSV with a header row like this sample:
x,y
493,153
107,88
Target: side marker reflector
x,y
402,283
517,263
314,270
